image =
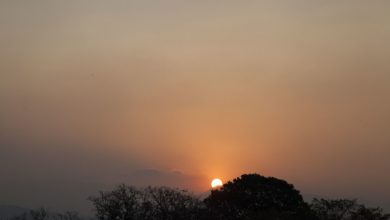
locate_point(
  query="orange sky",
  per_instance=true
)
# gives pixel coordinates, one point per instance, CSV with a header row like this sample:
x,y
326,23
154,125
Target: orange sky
x,y
179,92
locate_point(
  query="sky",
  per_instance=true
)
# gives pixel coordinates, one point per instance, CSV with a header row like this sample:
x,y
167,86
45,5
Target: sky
x,y
95,93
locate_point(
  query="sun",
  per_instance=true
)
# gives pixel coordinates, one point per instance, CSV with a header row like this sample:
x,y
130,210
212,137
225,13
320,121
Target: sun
x,y
216,183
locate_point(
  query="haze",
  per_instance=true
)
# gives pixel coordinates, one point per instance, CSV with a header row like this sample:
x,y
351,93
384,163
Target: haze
x,y
95,93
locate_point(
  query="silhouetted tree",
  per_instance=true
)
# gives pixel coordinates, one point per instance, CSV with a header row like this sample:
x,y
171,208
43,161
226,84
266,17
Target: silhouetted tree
x,y
363,213
253,196
333,209
345,209
151,203
119,204
39,214
170,204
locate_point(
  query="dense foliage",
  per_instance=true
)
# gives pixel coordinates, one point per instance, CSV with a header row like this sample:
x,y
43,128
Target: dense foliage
x,y
249,197
252,196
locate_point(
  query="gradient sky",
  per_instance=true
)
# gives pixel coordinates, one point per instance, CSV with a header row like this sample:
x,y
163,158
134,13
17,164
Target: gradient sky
x,y
94,93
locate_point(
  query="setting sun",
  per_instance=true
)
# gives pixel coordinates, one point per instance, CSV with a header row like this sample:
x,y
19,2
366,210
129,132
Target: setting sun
x,y
216,183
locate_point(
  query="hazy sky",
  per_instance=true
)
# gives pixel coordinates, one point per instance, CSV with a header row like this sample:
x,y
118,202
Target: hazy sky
x,y
95,92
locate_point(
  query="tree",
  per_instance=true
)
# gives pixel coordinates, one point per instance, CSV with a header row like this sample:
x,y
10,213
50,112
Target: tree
x,y
363,213
345,209
151,203
253,196
120,204
170,204
333,209
39,214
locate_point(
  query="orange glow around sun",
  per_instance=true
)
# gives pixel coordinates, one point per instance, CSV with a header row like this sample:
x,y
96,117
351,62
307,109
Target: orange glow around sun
x,y
216,183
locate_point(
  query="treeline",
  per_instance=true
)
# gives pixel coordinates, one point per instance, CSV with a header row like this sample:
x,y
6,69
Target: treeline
x,y
249,197
44,214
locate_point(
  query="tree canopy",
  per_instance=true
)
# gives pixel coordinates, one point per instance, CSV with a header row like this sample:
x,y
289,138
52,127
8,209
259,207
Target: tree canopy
x,y
253,196
248,197
345,209
151,203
